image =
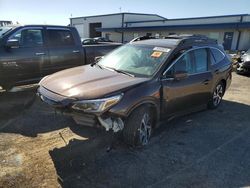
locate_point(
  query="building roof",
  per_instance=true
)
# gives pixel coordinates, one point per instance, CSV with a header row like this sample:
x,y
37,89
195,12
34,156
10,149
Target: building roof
x,y
233,25
161,17
192,18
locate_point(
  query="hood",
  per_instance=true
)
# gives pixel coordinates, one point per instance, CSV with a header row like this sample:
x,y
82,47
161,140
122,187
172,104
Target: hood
x,y
87,82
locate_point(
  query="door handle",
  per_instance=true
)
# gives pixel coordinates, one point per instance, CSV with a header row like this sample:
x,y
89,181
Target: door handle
x,y
40,53
206,82
75,51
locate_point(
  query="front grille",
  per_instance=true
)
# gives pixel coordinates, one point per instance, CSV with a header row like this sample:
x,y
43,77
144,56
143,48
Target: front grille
x,y
52,98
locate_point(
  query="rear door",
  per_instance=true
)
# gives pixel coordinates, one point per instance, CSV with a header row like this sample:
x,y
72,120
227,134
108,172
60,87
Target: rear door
x,y
64,52
21,65
180,96
217,62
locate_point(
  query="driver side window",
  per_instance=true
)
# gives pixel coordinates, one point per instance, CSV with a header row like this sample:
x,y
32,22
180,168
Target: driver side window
x,y
28,37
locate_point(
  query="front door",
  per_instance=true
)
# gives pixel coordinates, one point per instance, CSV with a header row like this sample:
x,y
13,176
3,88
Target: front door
x,y
187,93
22,64
228,39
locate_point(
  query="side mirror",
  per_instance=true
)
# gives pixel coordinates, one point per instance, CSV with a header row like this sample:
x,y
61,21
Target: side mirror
x,y
12,43
180,75
98,58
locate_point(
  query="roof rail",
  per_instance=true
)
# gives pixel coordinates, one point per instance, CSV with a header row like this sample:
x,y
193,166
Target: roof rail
x,y
185,39
190,38
142,38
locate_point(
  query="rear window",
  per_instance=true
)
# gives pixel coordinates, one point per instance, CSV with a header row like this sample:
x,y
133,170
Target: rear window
x,y
217,54
59,37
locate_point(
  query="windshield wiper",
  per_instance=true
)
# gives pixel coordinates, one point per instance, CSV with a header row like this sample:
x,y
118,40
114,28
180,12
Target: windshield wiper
x,y
121,71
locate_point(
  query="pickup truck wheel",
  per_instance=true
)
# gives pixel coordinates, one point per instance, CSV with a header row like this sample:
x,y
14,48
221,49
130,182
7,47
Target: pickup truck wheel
x,y
138,127
217,96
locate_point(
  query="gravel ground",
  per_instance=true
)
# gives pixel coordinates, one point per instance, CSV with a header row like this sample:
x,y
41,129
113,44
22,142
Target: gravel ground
x,y
206,149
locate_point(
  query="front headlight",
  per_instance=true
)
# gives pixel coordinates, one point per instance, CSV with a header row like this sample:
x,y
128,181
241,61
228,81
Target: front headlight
x,y
97,105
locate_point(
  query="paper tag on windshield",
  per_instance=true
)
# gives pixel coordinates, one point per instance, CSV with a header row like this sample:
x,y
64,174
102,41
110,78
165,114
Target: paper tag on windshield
x,y
161,49
156,54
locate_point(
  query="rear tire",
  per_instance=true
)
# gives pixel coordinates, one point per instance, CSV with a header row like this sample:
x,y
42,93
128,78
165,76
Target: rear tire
x,y
138,127
217,95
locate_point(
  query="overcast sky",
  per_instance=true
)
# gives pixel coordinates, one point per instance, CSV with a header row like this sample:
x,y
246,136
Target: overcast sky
x,y
59,11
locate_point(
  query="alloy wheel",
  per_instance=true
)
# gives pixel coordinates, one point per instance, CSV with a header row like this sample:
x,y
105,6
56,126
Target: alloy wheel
x,y
145,129
217,95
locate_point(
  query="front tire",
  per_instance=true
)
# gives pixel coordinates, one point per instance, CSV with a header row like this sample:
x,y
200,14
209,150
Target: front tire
x,y
217,95
138,127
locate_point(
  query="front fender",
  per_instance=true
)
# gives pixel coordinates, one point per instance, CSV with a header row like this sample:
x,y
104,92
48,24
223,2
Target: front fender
x,y
148,93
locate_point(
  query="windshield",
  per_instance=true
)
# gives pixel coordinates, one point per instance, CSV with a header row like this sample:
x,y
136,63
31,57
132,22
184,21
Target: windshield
x,y
141,61
4,30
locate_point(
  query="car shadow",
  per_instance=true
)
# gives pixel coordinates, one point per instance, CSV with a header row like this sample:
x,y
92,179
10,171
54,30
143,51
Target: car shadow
x,y
23,113
182,153
244,74
13,104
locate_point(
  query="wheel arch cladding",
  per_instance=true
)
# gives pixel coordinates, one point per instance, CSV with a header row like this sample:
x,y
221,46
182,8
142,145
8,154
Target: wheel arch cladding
x,y
152,107
224,82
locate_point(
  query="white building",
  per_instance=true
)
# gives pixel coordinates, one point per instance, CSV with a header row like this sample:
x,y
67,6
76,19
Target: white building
x,y
232,31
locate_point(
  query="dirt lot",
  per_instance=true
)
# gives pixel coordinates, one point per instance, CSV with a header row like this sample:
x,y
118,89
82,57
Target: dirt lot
x,y
206,149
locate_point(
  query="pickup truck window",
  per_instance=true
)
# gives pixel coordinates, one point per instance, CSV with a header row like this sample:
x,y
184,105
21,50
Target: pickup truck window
x,y
29,37
59,37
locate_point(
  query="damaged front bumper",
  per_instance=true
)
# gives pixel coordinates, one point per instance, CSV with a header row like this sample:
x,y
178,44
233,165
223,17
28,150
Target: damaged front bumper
x,y
63,106
106,120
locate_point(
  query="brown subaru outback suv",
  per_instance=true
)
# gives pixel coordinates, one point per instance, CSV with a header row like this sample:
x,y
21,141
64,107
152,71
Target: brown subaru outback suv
x,y
140,83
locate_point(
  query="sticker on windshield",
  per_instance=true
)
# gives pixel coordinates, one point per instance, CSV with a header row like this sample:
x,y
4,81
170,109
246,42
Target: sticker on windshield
x,y
161,49
156,54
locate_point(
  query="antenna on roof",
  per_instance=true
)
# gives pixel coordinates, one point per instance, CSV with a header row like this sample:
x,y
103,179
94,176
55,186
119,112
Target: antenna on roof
x,y
120,8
